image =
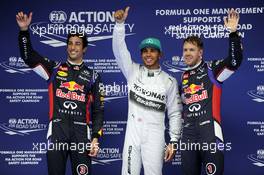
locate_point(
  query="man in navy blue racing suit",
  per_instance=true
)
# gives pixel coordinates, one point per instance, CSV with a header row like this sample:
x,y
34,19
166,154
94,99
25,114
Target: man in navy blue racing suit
x,y
74,98
201,93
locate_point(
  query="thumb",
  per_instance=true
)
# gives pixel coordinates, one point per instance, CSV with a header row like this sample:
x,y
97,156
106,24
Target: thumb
x,y
126,11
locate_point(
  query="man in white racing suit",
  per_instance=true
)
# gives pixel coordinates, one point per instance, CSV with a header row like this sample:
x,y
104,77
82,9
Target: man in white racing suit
x,y
152,92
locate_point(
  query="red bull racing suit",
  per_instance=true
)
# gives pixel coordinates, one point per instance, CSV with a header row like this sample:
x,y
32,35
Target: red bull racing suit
x,y
201,93
74,98
151,94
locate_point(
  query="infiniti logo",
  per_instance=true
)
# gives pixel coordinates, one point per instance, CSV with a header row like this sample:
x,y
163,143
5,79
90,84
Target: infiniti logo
x,y
70,105
194,107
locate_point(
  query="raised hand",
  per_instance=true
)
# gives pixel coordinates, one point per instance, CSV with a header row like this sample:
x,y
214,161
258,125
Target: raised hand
x,y
121,15
23,20
231,21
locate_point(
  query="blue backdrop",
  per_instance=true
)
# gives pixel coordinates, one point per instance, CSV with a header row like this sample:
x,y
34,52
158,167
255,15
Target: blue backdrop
x,y
23,94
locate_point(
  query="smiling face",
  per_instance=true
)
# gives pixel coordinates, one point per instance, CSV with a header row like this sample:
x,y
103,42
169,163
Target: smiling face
x,y
192,50
75,49
150,57
192,54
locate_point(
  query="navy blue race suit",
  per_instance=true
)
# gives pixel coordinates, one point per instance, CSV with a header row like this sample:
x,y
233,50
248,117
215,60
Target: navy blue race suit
x,y
74,98
201,93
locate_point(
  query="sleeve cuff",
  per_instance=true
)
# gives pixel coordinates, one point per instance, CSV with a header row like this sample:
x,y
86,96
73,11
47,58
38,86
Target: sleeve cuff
x,y
174,140
120,25
174,144
24,32
95,135
234,34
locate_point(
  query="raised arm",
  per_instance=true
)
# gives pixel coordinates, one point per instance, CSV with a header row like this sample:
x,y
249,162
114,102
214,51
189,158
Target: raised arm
x,y
223,69
121,53
39,64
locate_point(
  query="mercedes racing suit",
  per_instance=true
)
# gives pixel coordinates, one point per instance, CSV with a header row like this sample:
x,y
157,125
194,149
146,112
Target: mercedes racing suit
x,y
151,94
201,92
74,98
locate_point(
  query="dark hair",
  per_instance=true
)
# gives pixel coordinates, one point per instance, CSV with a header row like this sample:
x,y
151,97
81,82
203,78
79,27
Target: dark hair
x,y
80,35
141,50
194,40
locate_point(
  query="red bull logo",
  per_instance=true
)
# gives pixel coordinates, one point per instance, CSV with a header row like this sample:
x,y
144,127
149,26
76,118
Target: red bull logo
x,y
196,97
70,95
72,86
193,88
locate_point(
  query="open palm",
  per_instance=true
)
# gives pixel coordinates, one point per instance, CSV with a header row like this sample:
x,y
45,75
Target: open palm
x,y
231,21
23,20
